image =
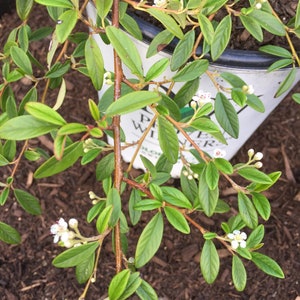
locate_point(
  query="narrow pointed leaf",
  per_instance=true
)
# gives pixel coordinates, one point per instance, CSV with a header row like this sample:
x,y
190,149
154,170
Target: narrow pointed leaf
x,y
287,82
177,220
262,205
133,283
56,3
256,236
191,71
255,175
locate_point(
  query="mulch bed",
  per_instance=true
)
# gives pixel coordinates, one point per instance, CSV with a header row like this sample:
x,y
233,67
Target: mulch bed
x,y
26,271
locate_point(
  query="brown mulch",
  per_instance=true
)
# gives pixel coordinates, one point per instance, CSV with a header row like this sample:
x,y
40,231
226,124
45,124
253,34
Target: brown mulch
x,y
26,271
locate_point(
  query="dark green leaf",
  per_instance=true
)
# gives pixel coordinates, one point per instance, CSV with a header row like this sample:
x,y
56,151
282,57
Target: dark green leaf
x,y
254,175
105,167
135,197
267,265
95,211
262,205
131,26
175,197
67,23
147,204
287,83
209,262
146,292
58,70
276,50
212,175
252,26
247,210
160,41
149,241
177,220
85,269
133,283
254,102
186,92
4,195
9,235
191,71
114,199
23,8
21,59
28,202
256,236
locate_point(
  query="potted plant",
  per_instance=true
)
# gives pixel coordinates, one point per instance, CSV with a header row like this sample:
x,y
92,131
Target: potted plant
x,y
150,193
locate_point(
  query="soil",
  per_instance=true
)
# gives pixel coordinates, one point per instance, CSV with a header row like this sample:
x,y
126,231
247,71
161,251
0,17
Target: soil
x,y
26,271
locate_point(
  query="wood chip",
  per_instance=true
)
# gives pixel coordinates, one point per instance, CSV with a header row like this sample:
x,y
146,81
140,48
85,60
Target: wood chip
x,y
288,171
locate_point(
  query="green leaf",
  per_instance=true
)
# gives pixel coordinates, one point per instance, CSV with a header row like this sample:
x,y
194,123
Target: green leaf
x,y
44,113
276,50
238,96
206,28
175,197
297,17
161,40
183,50
85,269
132,102
149,241
55,3
168,139
4,195
3,161
239,275
134,215
296,97
131,26
168,22
268,22
24,128
233,79
186,92
280,64
94,110
208,197
23,8
221,37
147,204
267,265
9,235
287,82
58,70
103,219
252,26
28,202
126,49
254,102
262,205
105,166
67,23
21,59
247,211
254,175
146,292
53,166
133,284
223,165
103,7
94,62
256,187
23,36
72,128
177,220
157,69
114,199
95,211
74,256
256,236
209,262
212,175
189,188
226,115
191,71
205,124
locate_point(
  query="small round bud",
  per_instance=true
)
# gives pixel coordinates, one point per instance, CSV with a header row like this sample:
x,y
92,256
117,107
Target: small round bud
x,y
185,173
92,195
196,176
73,223
258,5
190,177
258,156
250,153
258,165
193,104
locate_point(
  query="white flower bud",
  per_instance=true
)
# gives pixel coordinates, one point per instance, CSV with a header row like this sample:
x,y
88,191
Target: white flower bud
x,y
185,173
73,223
258,5
258,165
92,195
190,177
258,156
250,153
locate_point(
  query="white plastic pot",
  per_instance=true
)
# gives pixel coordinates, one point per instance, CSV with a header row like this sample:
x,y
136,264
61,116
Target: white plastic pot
x,y
251,66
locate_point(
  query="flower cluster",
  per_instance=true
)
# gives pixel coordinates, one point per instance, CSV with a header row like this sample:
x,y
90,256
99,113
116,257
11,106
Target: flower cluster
x,y
63,235
255,158
89,144
190,174
237,239
108,78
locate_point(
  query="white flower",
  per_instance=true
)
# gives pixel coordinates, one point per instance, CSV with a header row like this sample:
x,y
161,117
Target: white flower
x,y
59,229
219,153
237,239
202,97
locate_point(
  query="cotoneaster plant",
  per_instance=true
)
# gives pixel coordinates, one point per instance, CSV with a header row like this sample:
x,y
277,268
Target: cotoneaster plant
x,y
192,23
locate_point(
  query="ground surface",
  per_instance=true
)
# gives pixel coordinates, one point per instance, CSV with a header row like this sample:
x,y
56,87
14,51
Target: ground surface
x,y
26,271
